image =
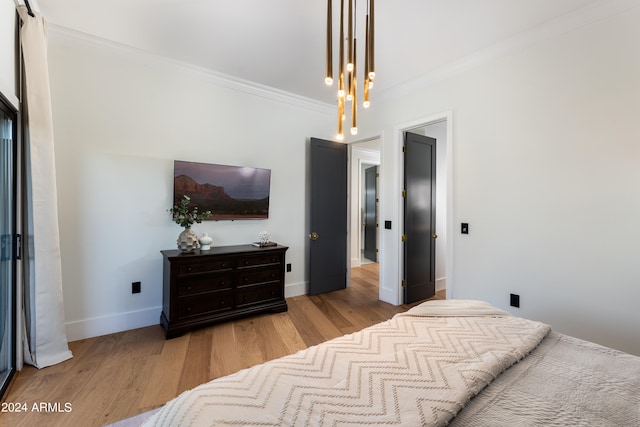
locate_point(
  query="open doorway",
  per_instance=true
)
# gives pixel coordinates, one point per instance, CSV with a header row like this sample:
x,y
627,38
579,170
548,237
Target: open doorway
x,y
364,213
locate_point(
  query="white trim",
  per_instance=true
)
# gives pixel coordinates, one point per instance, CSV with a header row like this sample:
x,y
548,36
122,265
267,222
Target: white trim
x,y
561,25
111,324
364,156
9,96
295,289
399,141
61,34
98,326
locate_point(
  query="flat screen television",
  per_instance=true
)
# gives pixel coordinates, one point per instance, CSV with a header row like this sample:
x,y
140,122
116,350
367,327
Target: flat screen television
x,y
229,192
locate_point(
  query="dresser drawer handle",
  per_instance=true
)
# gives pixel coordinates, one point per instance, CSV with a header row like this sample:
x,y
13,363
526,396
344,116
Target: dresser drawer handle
x,y
223,265
188,308
188,288
273,275
246,262
274,259
246,279
222,282
221,302
189,268
273,293
244,298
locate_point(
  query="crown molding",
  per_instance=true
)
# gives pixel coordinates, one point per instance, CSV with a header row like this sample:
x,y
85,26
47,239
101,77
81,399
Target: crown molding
x,y
59,34
561,25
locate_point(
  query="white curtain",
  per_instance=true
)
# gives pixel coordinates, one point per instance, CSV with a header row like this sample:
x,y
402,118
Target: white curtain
x,y
45,340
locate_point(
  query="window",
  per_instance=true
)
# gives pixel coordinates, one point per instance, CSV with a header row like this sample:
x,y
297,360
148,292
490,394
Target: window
x,y
8,149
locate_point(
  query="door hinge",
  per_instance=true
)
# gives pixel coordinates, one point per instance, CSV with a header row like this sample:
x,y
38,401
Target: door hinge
x,y
404,283
404,194
377,175
404,238
404,148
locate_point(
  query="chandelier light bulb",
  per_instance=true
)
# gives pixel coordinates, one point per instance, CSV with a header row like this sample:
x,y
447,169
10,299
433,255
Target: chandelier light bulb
x,y
347,60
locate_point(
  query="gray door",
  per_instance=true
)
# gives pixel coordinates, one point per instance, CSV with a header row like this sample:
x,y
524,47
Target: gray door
x,y
370,213
419,217
328,217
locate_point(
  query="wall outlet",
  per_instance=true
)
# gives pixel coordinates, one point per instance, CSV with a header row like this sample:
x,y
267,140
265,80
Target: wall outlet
x,y
288,268
136,287
515,300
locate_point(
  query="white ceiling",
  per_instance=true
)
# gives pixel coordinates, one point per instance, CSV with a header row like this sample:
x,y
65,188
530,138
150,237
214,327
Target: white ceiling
x,y
281,43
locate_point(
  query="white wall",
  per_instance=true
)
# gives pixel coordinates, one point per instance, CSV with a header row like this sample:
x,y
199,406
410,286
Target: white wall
x,y
121,117
8,51
546,166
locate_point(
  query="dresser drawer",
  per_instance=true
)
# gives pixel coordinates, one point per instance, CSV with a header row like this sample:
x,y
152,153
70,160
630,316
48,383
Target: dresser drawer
x,y
250,277
214,282
223,283
257,294
186,269
262,259
215,302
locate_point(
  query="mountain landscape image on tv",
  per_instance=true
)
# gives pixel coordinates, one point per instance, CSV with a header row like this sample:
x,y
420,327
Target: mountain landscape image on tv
x,y
229,192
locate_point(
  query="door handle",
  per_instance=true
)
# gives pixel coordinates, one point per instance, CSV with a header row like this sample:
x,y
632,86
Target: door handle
x,y
434,236
314,236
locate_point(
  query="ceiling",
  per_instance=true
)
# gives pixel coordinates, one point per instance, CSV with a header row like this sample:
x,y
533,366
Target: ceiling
x,y
281,43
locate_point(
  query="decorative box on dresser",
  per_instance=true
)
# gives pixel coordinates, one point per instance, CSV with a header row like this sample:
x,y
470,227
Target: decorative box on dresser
x,y
225,282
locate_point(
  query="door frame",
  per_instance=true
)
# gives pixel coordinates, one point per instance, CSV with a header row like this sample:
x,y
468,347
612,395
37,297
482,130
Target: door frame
x,y
364,156
399,130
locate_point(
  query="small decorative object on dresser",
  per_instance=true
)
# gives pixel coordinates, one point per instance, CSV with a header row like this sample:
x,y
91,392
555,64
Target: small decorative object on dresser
x,y
188,240
263,240
186,216
205,242
223,283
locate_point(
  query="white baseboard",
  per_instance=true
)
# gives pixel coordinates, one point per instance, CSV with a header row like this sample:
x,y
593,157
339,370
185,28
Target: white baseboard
x,y
120,322
441,284
295,289
98,326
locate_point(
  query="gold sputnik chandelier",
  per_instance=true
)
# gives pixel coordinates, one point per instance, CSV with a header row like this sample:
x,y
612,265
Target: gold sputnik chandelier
x,y
347,70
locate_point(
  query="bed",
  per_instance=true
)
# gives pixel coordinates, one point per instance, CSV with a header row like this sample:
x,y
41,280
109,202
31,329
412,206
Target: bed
x,y
448,362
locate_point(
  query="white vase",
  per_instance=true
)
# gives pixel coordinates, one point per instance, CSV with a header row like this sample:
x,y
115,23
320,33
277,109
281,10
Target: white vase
x,y
205,242
188,240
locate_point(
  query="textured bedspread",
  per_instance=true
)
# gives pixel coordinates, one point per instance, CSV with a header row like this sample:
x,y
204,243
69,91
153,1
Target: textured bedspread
x,y
565,381
417,369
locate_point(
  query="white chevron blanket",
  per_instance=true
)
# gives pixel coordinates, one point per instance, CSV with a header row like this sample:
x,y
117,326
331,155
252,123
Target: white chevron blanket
x,y
417,369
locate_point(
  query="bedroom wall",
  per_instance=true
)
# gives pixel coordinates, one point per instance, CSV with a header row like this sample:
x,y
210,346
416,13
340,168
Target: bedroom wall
x,y
121,117
546,165
7,51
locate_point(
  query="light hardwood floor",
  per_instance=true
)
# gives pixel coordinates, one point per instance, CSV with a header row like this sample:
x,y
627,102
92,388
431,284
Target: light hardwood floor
x,y
120,375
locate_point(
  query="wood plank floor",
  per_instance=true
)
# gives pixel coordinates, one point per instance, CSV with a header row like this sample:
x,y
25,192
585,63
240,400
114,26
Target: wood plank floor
x,y
120,375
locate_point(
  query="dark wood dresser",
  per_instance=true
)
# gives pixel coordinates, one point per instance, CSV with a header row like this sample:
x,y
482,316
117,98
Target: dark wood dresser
x,y
225,282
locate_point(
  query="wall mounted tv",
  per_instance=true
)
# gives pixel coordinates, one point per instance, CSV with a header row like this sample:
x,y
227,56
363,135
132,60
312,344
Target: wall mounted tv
x,y
230,192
